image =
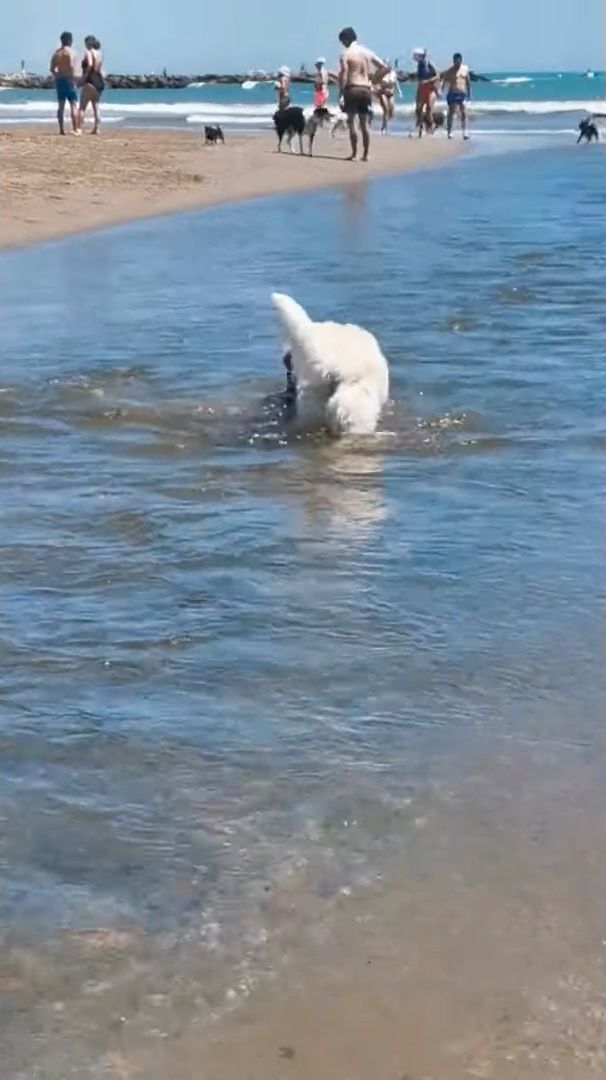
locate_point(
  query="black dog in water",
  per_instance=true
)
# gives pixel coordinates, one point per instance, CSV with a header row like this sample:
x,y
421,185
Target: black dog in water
x,y
290,122
588,130
213,135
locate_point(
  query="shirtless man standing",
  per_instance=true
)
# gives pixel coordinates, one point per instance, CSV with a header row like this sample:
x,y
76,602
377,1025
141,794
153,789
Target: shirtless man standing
x,y
63,67
457,82
359,69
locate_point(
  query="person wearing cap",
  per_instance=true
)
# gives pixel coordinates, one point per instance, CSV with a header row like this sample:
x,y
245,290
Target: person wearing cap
x,y
427,78
320,84
359,70
282,86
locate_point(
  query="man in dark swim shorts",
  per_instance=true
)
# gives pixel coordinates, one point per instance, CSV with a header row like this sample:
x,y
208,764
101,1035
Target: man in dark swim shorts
x,y
457,81
359,68
63,67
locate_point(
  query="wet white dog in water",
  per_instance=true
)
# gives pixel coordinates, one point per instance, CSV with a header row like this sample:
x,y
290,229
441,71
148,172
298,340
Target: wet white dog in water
x,y
338,376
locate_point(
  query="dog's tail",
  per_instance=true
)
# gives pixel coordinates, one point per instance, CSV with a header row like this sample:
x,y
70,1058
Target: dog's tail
x,y
310,361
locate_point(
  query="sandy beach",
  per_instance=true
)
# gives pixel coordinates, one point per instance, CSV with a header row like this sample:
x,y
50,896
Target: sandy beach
x,y
54,186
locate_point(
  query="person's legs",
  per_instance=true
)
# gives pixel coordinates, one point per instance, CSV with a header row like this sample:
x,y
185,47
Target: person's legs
x,y
365,130
384,103
419,111
95,105
450,117
60,106
72,97
353,135
463,115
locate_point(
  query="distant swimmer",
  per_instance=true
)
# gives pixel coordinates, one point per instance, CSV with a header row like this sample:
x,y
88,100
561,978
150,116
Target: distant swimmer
x,y
359,70
588,130
456,80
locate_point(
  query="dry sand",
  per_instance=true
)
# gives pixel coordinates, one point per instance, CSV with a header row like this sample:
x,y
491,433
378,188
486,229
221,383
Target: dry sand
x,y
53,186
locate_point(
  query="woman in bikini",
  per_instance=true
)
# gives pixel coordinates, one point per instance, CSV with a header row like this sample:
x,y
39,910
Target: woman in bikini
x,y
93,83
386,91
282,88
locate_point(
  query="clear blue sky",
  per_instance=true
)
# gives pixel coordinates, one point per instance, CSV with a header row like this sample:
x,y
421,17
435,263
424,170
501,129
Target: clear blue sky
x,y
194,36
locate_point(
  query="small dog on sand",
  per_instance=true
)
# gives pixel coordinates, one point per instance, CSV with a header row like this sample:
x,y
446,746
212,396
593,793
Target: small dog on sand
x,y
213,135
336,374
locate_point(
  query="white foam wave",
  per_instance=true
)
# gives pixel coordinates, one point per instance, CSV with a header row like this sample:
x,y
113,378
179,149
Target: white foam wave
x,y
513,80
242,113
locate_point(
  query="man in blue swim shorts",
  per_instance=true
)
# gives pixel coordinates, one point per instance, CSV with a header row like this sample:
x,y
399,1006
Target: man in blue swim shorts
x,y
63,67
457,82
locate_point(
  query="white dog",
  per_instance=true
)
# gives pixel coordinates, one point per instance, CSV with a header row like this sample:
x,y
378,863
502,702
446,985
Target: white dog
x,y
338,375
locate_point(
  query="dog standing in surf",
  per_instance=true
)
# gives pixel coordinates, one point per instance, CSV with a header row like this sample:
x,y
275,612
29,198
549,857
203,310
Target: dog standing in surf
x,y
337,375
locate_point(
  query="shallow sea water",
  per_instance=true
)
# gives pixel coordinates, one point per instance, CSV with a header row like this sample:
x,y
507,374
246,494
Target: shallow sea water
x,y
248,679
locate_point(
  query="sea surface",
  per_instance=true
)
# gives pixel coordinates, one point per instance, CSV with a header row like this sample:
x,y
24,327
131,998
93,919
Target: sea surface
x,y
248,679
524,103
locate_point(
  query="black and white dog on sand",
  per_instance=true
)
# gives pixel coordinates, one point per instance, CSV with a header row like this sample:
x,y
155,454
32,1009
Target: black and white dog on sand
x,y
213,135
291,122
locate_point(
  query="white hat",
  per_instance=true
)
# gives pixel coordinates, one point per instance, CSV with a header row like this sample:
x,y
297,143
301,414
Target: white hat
x,y
419,53
320,60
284,71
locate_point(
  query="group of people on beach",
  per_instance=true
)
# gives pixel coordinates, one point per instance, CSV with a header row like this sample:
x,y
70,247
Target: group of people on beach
x,y
71,74
363,75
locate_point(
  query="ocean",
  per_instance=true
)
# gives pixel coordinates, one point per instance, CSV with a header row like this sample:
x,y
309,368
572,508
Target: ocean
x,y
267,701
539,102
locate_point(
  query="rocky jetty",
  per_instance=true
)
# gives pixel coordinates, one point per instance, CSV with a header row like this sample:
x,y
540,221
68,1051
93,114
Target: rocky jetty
x,y
149,82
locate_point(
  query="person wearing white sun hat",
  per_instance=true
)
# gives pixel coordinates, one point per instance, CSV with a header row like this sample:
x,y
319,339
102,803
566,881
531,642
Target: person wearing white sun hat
x,y
320,84
282,86
427,80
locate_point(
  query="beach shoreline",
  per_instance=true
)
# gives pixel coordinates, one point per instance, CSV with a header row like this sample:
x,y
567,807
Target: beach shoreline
x,y
57,187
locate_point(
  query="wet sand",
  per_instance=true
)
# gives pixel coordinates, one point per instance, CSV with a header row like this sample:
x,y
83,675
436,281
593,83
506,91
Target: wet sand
x,y
54,186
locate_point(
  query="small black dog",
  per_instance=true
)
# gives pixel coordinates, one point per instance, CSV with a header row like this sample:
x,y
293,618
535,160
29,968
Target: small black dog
x,y
290,122
213,135
588,130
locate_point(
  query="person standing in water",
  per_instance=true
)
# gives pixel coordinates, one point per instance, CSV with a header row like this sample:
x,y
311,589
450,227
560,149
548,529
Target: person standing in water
x,y
93,83
457,81
63,67
359,69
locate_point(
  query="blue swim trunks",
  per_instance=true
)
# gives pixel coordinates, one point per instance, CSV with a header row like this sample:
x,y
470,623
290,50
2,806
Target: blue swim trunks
x,y
456,97
66,89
